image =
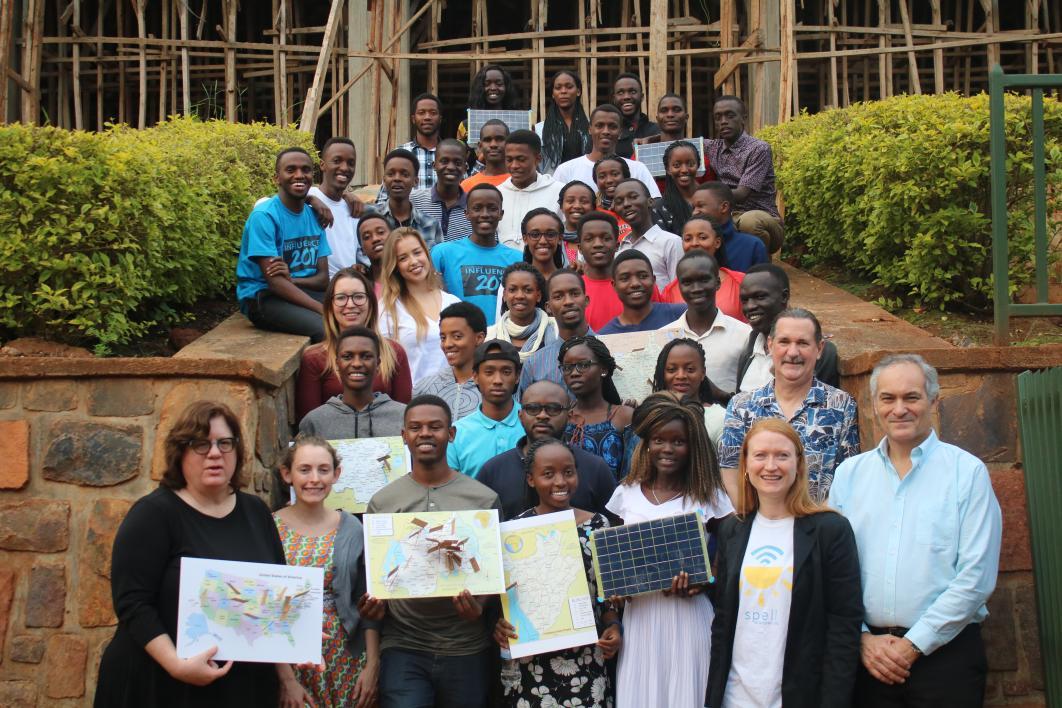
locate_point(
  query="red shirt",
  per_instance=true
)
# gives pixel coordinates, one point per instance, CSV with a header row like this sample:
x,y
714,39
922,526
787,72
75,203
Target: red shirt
x,y
727,299
605,303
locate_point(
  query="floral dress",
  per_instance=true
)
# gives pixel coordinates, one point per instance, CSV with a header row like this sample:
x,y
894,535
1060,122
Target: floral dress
x,y
571,677
333,687
602,439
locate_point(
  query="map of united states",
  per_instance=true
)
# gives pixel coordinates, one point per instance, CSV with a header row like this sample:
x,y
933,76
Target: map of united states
x,y
250,607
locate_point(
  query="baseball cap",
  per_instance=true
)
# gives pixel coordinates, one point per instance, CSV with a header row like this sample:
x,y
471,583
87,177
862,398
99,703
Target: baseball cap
x,y
495,350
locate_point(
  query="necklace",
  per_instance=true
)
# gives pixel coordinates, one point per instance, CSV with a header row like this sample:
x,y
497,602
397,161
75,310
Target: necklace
x,y
652,490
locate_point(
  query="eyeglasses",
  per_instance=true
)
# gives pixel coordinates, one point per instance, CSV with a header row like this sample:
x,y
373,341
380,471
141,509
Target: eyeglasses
x,y
357,298
552,409
202,447
580,366
540,235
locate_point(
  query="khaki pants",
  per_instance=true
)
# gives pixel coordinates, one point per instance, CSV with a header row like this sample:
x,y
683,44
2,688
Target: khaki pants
x,y
762,225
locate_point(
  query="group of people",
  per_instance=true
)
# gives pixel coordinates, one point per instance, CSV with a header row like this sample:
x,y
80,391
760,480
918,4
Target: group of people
x,y
468,311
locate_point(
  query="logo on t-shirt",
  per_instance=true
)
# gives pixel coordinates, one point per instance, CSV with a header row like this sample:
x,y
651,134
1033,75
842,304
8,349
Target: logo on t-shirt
x,y
767,578
481,280
300,253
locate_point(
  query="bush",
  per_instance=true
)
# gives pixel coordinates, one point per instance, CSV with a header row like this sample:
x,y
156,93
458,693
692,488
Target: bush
x,y
898,190
103,235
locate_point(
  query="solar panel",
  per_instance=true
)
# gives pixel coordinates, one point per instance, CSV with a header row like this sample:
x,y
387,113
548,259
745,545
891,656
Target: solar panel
x,y
643,557
516,120
652,155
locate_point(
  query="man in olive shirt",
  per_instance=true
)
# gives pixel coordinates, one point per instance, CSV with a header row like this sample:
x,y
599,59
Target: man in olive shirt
x,y
434,651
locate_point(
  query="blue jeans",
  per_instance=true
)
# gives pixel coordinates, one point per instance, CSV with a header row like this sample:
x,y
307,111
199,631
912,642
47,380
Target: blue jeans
x,y
416,679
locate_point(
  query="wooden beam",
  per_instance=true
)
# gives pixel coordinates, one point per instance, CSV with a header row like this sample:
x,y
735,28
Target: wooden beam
x,y
657,50
313,97
230,61
834,99
7,15
186,79
728,67
32,34
727,16
938,54
912,62
786,50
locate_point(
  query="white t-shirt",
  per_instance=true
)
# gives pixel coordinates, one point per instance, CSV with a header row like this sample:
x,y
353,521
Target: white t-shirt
x,y
766,587
426,355
723,344
342,235
759,372
582,169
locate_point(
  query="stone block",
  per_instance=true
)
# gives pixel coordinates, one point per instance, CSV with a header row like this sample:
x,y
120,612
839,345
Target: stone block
x,y
95,607
59,395
121,398
8,394
65,658
40,525
267,431
8,578
1009,485
18,694
237,396
46,599
14,454
93,454
998,631
1029,629
27,649
983,421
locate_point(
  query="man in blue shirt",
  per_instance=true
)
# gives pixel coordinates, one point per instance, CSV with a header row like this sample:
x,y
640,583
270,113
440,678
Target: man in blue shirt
x,y
282,270
495,425
633,279
471,268
928,528
741,250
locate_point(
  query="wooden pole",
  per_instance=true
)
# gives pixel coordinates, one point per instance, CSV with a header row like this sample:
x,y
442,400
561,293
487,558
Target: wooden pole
x,y
938,54
61,114
375,39
830,19
433,34
991,8
657,51
230,61
164,64
7,13
186,76
583,64
99,69
79,115
660,55
592,79
1032,21
912,62
844,60
313,97
727,15
141,33
785,79
31,52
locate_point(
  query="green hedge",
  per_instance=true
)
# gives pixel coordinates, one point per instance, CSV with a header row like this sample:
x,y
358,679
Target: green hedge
x,y
103,235
898,190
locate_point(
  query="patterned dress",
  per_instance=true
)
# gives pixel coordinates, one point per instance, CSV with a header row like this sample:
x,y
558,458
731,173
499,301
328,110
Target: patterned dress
x,y
572,677
333,687
602,439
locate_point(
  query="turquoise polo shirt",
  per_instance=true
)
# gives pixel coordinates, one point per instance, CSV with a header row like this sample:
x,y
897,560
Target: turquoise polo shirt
x,y
480,438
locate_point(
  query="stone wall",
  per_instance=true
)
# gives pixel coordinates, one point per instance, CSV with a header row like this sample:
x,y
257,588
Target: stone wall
x,y
80,440
978,412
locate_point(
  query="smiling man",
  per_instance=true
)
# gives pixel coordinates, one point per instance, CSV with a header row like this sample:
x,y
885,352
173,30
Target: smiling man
x,y
928,528
632,277
824,417
338,161
605,122
526,188
543,414
445,202
282,269
491,151
663,248
627,95
495,426
462,328
400,174
567,302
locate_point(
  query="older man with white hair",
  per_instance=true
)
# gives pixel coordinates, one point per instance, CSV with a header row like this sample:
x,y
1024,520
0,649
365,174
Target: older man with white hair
x,y
928,527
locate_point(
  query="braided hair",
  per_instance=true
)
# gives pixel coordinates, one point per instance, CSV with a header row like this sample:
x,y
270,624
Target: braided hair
x,y
703,481
556,136
708,393
529,464
676,204
603,357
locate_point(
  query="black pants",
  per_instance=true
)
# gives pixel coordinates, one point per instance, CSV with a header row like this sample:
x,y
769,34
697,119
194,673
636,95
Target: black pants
x,y
267,311
951,677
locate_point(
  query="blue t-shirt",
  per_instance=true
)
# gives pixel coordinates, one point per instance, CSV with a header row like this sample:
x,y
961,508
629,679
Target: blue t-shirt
x,y
740,250
472,272
661,315
273,230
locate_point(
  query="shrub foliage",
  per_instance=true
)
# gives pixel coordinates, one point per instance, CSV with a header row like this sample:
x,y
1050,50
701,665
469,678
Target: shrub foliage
x,y
898,190
103,235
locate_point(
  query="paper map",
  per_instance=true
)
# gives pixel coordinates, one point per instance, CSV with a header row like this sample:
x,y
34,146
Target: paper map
x,y
433,554
368,465
635,354
546,598
250,611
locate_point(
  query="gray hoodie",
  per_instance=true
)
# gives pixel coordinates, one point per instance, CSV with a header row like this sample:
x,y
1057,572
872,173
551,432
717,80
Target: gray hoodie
x,y
335,420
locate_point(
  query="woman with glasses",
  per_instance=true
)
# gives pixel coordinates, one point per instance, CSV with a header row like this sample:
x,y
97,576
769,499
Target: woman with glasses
x,y
198,511
598,422
523,322
349,301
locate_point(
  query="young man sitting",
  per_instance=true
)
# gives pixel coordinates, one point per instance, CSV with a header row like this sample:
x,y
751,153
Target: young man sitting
x,y
282,270
462,328
526,188
633,279
713,200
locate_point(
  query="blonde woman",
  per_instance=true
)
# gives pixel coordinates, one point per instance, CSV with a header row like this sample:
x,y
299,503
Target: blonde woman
x,y
411,299
349,301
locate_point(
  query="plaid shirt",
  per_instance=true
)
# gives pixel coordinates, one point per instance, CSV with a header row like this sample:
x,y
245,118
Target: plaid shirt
x,y
425,173
746,163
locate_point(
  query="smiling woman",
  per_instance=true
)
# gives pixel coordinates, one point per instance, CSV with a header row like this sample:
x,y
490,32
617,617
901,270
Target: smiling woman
x,y
523,322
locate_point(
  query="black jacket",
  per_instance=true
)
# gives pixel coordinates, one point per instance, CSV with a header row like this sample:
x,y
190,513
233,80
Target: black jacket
x,y
825,617
827,369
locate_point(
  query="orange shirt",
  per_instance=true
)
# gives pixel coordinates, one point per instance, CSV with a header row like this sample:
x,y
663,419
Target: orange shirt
x,y
480,178
727,299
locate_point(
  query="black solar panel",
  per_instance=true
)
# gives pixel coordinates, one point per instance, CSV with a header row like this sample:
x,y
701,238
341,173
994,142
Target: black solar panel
x,y
644,557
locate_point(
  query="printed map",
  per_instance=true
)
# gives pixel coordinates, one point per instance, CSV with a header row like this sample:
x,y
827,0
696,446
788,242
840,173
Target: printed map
x,y
635,354
368,465
250,611
546,596
433,554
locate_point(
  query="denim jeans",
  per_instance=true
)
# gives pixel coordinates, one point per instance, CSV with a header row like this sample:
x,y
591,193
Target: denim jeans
x,y
267,311
416,679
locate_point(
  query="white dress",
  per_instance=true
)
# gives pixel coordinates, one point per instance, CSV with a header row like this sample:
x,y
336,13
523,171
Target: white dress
x,y
425,355
667,641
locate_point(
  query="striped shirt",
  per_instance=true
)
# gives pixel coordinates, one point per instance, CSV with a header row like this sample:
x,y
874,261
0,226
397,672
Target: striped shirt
x,y
452,220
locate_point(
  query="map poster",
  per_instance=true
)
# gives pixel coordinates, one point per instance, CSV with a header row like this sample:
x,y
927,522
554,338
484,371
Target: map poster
x,y
367,466
250,611
433,554
546,595
635,354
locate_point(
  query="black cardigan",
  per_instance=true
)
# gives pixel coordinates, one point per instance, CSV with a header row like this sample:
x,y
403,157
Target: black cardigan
x,y
825,617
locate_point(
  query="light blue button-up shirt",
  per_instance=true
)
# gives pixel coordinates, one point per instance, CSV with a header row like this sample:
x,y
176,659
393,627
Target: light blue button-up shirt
x,y
928,544
480,438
